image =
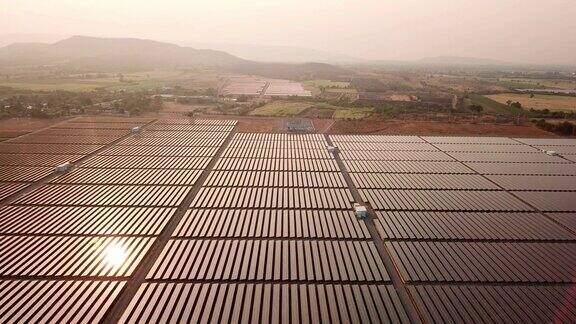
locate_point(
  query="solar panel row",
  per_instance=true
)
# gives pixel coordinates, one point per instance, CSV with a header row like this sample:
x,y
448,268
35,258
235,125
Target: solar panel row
x,y
474,216
268,234
96,222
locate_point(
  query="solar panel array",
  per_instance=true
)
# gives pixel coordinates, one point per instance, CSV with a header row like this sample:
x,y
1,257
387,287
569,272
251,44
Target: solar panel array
x,y
30,158
468,222
75,240
189,221
269,238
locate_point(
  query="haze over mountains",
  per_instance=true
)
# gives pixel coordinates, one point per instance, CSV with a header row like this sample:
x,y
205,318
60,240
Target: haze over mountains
x,y
91,51
94,52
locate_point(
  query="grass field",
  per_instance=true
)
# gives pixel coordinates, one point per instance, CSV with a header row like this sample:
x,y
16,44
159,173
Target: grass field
x,y
491,106
551,102
289,109
54,85
281,109
524,83
352,113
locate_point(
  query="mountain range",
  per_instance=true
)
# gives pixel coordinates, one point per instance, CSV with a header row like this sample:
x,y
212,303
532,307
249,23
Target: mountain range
x,y
111,52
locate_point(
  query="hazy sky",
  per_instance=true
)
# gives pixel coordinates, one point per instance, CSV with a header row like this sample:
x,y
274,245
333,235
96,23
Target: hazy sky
x,y
515,30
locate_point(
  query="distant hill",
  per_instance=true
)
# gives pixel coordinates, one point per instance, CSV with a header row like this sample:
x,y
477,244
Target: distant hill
x,y
459,60
111,52
283,54
118,54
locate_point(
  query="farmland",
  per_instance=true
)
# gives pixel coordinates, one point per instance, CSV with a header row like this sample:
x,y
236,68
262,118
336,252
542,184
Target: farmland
x,y
311,109
538,101
491,106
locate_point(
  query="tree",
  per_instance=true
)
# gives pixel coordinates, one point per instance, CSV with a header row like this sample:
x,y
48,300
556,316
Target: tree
x,y
476,108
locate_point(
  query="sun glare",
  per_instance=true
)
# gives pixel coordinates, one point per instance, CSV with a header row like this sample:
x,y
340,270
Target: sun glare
x,y
114,255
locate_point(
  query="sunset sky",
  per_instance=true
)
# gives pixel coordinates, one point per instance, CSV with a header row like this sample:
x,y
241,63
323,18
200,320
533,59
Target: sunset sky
x,y
523,31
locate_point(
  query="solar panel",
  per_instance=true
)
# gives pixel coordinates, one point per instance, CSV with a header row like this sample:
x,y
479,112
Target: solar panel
x,y
188,221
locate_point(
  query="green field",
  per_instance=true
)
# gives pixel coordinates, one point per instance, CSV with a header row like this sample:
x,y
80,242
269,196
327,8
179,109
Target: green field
x,y
524,83
281,109
352,113
290,109
53,86
538,101
491,106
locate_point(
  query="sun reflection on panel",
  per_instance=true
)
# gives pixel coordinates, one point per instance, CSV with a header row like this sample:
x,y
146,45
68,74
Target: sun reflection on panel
x,y
114,255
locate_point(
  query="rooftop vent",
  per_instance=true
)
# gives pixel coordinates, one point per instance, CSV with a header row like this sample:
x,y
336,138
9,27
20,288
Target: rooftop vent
x,y
360,211
65,167
136,129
